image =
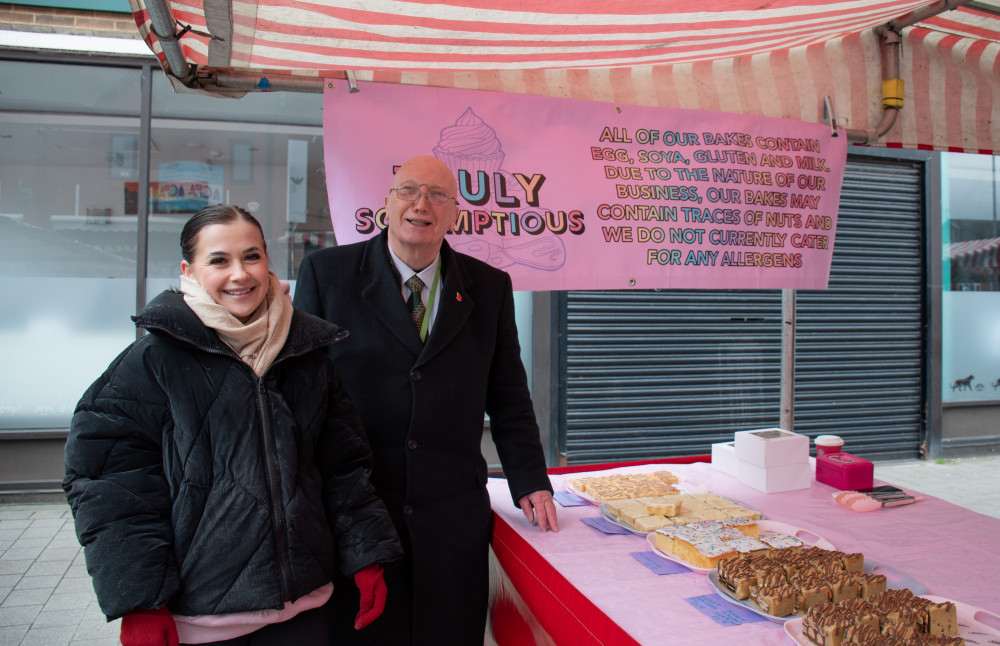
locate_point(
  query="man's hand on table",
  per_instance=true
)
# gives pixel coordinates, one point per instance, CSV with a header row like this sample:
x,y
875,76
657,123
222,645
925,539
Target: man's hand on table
x,y
540,506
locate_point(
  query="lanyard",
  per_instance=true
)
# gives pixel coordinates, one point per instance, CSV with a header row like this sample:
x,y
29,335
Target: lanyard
x,y
430,302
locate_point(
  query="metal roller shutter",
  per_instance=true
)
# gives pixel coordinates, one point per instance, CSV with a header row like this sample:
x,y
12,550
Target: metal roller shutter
x,y
667,373
860,345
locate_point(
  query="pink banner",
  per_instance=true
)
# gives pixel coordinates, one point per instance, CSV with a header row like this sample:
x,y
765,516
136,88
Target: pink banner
x,y
570,194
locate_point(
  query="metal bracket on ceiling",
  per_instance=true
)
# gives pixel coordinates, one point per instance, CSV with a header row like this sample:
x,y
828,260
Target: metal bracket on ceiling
x,y
829,117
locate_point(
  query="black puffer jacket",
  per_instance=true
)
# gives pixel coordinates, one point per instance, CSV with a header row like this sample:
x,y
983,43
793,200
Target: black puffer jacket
x,y
195,484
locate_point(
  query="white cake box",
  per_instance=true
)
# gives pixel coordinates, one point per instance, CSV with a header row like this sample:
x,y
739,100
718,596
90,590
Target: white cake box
x,y
724,457
787,477
771,447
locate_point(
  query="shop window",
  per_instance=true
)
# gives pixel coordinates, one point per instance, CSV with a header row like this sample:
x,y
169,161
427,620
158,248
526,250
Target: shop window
x,y
68,139
971,278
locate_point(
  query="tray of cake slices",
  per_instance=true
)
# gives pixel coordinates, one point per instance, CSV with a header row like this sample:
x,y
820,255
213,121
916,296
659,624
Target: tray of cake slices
x,y
615,486
650,513
784,584
701,545
895,617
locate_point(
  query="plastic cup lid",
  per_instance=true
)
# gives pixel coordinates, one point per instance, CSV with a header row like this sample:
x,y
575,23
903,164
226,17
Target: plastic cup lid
x,y
829,439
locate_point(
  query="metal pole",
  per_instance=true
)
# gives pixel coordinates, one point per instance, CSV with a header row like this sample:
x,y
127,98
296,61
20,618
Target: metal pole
x,y
787,359
142,208
261,82
923,13
164,27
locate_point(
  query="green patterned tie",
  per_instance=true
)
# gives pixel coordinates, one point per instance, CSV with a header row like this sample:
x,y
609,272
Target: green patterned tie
x,y
416,305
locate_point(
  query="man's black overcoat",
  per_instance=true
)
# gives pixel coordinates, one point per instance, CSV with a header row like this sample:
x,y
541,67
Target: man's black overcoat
x,y
423,405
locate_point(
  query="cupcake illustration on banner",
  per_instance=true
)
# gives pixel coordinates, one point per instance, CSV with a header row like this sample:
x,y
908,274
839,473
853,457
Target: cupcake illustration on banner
x,y
472,145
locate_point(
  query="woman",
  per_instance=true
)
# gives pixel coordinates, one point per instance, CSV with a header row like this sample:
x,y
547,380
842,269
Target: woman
x,y
218,468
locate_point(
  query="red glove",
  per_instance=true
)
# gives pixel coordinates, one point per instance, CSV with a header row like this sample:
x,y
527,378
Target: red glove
x,y
372,587
149,628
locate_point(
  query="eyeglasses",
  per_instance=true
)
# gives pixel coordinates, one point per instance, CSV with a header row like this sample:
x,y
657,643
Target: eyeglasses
x,y
412,194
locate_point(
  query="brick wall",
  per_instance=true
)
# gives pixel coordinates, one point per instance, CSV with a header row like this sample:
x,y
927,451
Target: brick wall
x,y
49,20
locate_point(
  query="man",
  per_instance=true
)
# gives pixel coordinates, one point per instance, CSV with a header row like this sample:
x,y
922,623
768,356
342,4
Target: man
x,y
422,403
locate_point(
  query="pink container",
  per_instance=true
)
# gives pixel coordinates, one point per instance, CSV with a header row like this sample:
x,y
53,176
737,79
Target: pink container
x,y
844,471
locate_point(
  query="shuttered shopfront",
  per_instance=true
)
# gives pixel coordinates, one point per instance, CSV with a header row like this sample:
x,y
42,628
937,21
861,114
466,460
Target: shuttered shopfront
x,y
665,373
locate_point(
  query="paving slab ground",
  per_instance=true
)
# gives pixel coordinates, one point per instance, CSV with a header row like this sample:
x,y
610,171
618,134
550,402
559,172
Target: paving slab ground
x,y
973,483
46,597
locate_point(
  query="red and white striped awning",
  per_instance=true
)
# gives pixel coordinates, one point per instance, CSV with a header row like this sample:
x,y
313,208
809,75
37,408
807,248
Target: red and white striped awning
x,y
781,60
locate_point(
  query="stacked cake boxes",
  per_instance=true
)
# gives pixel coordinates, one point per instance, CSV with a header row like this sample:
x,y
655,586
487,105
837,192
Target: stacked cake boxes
x,y
724,457
772,460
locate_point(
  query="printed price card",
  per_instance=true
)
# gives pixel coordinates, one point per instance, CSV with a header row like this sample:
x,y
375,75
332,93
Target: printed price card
x,y
605,526
722,612
659,565
567,499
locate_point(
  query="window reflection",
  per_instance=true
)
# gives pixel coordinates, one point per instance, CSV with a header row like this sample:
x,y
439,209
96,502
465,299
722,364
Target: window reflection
x,y
274,172
973,223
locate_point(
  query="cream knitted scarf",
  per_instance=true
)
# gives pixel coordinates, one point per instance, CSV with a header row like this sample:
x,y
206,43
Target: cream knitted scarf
x,y
259,340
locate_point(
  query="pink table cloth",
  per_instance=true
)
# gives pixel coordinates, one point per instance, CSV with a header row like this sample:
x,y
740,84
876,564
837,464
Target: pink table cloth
x,y
948,549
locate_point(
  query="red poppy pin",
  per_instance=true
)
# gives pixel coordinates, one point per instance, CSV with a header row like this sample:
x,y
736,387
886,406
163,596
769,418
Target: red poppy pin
x,y
458,297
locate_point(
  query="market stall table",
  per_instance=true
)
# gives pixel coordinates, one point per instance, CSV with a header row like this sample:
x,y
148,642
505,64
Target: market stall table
x,y
586,587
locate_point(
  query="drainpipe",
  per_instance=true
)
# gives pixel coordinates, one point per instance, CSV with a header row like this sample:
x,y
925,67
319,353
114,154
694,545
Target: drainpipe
x,y
892,85
892,90
164,27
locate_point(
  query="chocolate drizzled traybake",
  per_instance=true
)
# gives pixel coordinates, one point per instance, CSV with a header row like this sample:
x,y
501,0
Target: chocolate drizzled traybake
x,y
889,618
792,580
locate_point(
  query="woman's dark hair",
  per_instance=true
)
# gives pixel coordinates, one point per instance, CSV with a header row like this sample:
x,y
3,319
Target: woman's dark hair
x,y
215,214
